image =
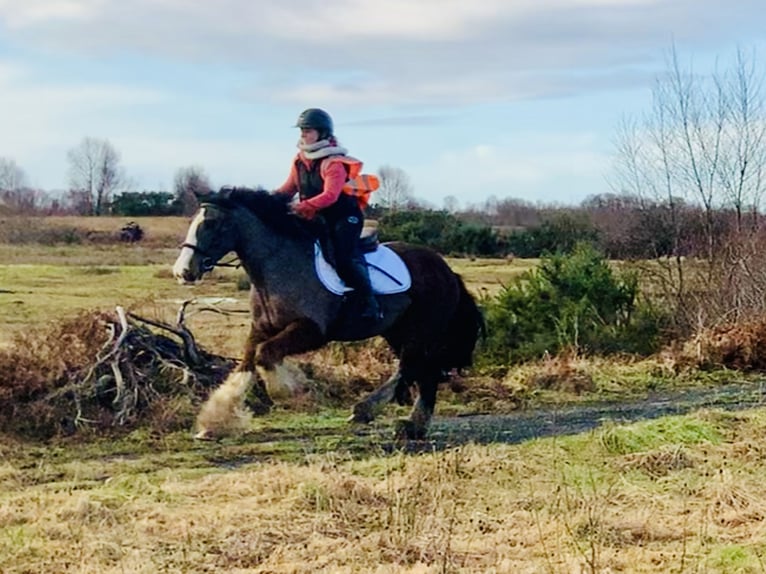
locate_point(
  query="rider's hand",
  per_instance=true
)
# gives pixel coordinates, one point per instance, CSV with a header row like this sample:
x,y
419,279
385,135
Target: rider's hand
x,y
304,209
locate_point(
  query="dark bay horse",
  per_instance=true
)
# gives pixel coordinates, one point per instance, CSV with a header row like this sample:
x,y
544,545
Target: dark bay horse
x,y
432,327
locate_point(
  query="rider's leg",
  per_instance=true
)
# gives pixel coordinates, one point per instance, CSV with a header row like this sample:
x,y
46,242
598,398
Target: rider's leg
x,y
351,265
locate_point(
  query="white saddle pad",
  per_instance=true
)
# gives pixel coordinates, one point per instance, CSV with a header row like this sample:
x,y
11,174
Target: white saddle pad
x,y
388,273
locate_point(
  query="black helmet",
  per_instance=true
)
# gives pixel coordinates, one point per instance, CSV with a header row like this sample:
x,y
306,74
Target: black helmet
x,y
314,118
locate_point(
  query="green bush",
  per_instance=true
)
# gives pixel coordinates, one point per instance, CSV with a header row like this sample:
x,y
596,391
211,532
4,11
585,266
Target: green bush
x,y
440,231
138,204
560,234
569,302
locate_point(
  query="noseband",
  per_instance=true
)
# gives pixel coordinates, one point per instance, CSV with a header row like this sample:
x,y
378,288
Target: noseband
x,y
207,263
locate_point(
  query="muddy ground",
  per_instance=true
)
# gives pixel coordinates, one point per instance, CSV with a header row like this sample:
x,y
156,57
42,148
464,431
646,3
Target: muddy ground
x,y
451,431
571,419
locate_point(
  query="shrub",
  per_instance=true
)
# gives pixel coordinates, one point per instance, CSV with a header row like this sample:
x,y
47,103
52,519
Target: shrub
x,y
440,231
561,234
573,302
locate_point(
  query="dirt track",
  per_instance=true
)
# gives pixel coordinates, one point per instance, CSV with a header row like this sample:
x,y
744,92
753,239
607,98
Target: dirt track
x,y
451,431
513,428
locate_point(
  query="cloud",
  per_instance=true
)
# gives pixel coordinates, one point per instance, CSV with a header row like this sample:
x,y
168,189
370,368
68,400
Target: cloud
x,y
18,15
40,120
393,52
29,107
226,161
529,166
407,121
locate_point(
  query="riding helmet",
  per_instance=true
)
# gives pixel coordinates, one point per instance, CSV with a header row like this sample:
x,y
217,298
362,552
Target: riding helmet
x,y
314,118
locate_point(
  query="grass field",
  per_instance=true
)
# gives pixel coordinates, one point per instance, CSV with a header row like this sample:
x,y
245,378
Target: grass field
x,y
301,491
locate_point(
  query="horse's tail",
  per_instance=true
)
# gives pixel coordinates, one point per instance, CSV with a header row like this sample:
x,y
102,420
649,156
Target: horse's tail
x,y
463,331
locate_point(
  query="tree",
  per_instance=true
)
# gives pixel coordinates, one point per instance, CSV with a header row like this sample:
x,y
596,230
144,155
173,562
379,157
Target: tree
x,y
451,204
395,191
94,173
742,169
15,196
703,142
700,151
137,204
189,181
12,177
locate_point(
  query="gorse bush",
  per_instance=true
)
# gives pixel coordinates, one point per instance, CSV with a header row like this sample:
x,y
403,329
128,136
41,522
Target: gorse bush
x,y
569,302
440,231
561,234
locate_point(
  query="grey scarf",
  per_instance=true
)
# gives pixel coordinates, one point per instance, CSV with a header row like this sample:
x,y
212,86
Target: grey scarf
x,y
322,148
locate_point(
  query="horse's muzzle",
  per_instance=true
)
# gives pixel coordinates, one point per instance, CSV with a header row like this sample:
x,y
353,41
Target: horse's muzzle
x,y
186,270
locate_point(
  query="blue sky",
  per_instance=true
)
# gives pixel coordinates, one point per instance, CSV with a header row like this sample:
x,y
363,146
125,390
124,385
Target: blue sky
x,y
471,98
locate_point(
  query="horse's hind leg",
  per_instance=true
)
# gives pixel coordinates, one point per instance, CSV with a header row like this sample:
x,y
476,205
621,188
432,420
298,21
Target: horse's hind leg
x,y
367,409
416,426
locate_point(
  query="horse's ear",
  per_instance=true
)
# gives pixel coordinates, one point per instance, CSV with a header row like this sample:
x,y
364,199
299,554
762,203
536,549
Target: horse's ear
x,y
221,197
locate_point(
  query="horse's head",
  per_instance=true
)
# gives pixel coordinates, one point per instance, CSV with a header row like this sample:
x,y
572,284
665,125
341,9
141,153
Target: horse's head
x,y
211,235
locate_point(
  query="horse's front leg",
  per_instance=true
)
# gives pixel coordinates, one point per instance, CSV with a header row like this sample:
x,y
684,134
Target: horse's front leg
x,y
298,337
224,411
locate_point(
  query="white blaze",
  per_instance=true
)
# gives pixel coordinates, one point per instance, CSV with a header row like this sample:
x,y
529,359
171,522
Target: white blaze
x,y
184,258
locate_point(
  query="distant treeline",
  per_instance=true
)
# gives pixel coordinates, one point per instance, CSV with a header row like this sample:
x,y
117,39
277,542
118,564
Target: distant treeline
x,y
618,226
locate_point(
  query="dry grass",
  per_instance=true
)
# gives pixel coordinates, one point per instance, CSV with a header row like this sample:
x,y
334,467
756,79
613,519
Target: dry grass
x,y
51,230
302,493
740,346
554,505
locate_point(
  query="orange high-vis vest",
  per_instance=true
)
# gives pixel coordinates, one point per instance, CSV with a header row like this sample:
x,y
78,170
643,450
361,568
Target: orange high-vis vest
x,y
359,185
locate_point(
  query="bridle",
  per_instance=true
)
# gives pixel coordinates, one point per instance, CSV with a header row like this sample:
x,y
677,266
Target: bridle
x,y
207,264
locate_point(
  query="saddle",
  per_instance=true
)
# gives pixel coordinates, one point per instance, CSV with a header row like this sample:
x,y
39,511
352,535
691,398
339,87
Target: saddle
x,y
388,273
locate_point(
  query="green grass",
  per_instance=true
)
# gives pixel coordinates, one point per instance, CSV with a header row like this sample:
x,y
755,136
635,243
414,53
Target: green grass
x,y
34,295
486,277
626,439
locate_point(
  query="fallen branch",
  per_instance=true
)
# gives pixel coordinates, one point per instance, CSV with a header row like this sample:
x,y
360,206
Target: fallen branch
x,y
133,373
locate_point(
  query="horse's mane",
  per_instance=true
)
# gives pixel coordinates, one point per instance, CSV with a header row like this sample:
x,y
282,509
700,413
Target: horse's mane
x,y
273,209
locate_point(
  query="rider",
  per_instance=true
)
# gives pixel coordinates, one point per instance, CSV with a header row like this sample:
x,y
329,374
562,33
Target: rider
x,y
318,174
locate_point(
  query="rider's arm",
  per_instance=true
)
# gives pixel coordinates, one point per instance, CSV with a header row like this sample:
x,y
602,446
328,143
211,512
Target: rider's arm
x,y
290,186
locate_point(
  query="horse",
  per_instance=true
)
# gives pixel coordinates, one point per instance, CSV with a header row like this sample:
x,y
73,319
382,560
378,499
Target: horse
x,y
432,327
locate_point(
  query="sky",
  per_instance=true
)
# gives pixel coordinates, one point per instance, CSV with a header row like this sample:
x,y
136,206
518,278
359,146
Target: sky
x,y
472,99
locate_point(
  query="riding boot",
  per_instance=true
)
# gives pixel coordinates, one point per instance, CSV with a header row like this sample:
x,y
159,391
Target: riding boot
x,y
360,281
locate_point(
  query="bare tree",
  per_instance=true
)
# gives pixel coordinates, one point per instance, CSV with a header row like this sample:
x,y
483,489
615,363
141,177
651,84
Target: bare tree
x,y
189,181
12,177
743,153
451,204
699,151
395,191
94,173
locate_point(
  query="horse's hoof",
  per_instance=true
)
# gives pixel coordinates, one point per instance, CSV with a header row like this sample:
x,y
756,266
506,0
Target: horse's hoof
x,y
204,434
408,430
361,415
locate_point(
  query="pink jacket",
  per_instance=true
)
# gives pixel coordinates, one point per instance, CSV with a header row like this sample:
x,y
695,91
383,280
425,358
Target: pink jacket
x,y
334,176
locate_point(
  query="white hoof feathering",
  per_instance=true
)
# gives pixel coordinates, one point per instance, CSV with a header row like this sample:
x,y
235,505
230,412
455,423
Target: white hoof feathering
x,y
224,411
283,381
